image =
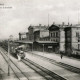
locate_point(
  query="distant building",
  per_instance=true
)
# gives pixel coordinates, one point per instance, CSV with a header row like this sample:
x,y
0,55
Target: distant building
x,y
35,33
35,29
72,39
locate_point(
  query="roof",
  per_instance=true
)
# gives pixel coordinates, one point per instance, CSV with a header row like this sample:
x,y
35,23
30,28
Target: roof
x,y
58,26
41,30
44,42
25,42
39,27
23,33
54,27
73,26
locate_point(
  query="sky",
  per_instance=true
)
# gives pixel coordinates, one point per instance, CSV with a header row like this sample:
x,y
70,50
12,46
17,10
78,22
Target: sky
x,y
17,15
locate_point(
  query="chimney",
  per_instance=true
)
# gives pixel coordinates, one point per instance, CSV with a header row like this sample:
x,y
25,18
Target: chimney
x,y
68,23
39,24
53,23
19,36
63,23
71,25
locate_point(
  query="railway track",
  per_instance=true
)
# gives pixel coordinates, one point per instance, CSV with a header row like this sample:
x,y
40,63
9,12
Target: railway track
x,y
63,65
1,78
47,74
32,69
14,68
11,68
43,71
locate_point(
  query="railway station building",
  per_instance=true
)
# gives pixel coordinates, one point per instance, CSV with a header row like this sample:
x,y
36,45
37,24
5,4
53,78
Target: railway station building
x,y
34,34
55,38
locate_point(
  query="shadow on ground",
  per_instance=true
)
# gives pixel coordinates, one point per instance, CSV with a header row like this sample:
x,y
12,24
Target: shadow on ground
x,y
14,55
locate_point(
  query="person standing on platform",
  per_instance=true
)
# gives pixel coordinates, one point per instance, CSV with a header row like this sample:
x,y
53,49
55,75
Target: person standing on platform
x,y
61,54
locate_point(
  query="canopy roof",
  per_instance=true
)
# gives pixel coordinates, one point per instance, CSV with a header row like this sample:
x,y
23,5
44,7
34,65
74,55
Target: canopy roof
x,y
25,42
46,42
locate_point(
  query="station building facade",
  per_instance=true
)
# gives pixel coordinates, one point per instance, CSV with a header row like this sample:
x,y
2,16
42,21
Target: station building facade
x,y
55,38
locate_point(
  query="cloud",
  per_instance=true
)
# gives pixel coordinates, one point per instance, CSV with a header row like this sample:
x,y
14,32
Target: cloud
x,y
26,12
44,7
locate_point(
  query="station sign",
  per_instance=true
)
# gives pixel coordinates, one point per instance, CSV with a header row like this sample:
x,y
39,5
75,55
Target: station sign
x,y
49,46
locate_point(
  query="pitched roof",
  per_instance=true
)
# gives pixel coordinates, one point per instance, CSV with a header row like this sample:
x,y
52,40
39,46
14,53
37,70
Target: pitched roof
x,y
54,27
23,33
39,27
22,41
46,42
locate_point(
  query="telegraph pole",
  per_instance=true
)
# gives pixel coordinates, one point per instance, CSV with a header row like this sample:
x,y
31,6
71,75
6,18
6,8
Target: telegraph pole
x,y
68,19
10,38
43,47
78,16
48,19
8,58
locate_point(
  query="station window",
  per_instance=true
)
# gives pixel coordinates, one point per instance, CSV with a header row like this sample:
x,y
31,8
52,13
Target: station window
x,y
51,34
78,40
56,34
78,46
77,34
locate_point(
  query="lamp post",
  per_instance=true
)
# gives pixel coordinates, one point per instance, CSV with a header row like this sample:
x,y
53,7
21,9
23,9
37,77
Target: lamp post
x,y
9,54
43,47
32,46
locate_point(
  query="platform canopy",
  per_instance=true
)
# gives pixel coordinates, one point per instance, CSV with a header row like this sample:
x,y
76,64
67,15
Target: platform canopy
x,y
24,42
45,42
